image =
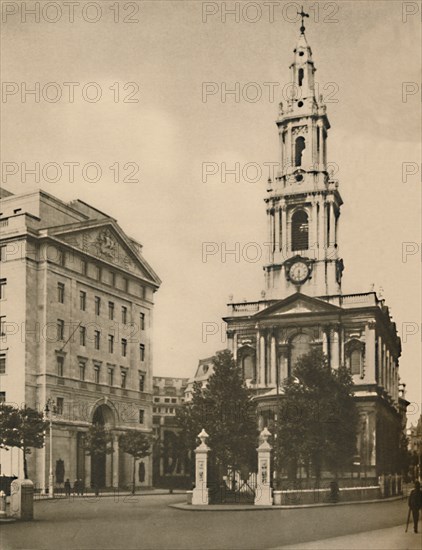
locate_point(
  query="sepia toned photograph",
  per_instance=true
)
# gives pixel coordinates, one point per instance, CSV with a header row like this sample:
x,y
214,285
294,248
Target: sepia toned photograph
x,y
210,275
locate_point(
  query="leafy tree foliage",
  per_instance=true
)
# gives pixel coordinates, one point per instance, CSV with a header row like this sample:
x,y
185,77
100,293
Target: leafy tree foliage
x,y
224,408
136,444
98,441
317,417
22,428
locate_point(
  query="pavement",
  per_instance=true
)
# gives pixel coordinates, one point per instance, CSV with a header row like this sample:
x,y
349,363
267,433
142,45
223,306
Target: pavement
x,y
148,522
392,538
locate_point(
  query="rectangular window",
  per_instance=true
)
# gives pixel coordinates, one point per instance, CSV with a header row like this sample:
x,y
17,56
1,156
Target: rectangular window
x,y
2,289
166,400
124,347
156,399
142,321
82,300
110,343
62,258
111,376
141,416
142,382
84,267
2,253
174,400
81,370
142,352
97,305
2,363
125,284
98,273
124,315
82,336
112,279
97,336
111,310
60,366
60,329
123,378
97,374
2,397
59,405
60,293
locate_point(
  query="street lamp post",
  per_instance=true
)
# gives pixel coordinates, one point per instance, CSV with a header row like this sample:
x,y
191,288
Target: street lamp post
x,y
49,410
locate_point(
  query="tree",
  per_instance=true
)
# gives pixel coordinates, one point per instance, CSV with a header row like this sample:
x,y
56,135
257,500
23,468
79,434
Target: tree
x,y
136,444
317,418
22,428
98,444
224,408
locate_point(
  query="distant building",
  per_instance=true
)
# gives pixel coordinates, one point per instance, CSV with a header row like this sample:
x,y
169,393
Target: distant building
x,y
76,323
414,436
169,463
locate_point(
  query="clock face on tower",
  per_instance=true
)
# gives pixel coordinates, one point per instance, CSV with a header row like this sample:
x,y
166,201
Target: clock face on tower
x,y
299,272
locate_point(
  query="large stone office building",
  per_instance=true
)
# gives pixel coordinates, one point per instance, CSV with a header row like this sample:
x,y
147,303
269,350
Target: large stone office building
x,y
76,315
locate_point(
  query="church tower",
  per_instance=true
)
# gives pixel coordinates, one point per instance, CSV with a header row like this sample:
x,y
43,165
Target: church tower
x,y
303,203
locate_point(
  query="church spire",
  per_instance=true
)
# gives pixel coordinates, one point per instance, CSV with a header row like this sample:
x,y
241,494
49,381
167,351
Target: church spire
x,y
303,203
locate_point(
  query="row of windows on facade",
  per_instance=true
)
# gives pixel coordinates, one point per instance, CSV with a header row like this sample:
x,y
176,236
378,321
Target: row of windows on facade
x,y
249,367
166,410
97,340
59,409
166,400
97,274
97,374
97,306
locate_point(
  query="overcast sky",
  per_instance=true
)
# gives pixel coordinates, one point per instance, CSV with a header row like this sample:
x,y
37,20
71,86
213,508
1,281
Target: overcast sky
x,y
363,51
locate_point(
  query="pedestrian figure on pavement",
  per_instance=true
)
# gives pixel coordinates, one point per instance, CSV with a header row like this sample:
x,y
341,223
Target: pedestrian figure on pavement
x,y
67,487
415,504
76,487
80,487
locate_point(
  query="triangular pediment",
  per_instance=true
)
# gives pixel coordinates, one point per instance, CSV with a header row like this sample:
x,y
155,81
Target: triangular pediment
x,y
106,240
298,304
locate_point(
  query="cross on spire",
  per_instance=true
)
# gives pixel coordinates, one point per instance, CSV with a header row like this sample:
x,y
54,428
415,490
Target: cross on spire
x,y
302,15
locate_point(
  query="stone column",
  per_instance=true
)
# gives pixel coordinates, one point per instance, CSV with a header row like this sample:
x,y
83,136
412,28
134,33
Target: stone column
x,y
324,341
314,231
262,360
277,229
288,159
115,476
283,359
380,380
200,493
273,354
235,346
270,234
331,236
284,239
321,146
370,352
87,480
335,348
263,494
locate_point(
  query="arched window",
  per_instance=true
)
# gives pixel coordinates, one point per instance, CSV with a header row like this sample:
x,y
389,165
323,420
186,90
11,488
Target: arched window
x,y
300,77
355,361
248,367
300,230
299,148
300,345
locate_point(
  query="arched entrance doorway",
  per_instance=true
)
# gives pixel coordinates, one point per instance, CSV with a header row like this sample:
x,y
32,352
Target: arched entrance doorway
x,y
103,417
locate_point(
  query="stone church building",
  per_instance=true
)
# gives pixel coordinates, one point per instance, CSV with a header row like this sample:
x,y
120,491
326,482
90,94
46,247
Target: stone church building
x,y
303,306
76,321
